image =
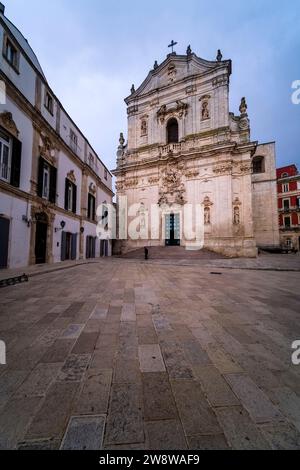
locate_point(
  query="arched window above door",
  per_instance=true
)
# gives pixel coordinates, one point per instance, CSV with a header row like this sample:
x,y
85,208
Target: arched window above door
x,y
172,131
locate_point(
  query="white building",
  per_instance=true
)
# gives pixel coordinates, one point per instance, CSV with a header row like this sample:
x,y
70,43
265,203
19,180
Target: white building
x,y
185,147
51,179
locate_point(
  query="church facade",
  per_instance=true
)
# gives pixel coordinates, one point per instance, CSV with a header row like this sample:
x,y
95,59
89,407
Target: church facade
x,y
186,149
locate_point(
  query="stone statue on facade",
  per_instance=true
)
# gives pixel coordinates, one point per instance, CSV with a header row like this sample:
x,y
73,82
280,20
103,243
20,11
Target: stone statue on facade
x,y
207,216
243,106
236,216
205,110
219,56
189,50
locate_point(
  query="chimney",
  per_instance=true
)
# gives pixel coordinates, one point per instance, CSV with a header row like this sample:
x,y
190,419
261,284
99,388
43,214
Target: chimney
x,y
2,8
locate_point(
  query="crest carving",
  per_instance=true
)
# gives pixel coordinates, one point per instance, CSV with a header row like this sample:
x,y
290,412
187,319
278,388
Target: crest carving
x,y
180,110
47,149
92,188
172,189
71,176
6,120
224,169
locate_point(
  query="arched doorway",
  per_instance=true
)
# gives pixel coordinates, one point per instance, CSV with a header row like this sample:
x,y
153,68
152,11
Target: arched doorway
x,y
172,131
41,233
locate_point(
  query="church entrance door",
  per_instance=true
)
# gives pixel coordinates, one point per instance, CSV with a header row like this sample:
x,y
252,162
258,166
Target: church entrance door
x,y
173,230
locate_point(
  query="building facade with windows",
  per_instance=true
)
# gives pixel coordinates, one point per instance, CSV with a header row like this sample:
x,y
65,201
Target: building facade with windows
x,y
51,179
185,147
288,186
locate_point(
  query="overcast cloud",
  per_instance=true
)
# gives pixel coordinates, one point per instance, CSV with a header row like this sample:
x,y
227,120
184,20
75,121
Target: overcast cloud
x,y
92,51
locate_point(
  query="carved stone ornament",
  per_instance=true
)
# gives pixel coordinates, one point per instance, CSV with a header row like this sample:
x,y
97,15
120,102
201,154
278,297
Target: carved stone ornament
x,y
192,174
153,180
92,188
220,81
207,202
246,168
172,72
71,176
223,169
47,149
172,189
243,106
236,202
244,123
6,120
144,126
236,215
131,183
119,186
180,110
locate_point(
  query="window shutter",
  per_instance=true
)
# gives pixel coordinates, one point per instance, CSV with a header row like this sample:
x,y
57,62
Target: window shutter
x,y
94,208
74,246
89,206
74,198
16,163
53,178
63,245
40,177
66,193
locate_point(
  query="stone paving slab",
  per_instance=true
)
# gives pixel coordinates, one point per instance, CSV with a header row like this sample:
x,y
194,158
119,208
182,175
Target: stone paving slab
x,y
151,359
164,353
125,417
165,435
84,433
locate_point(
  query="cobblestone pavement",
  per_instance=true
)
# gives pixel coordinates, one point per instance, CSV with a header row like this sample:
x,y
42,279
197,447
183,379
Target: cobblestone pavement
x,y
125,355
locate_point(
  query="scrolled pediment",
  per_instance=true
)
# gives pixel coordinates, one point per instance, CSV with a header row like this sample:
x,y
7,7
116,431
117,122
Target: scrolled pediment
x,y
6,121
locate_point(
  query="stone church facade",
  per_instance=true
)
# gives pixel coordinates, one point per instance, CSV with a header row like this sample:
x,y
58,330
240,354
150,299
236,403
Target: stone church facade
x,y
186,147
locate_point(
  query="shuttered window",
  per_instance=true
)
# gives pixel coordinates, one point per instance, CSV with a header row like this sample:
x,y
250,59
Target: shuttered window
x,y
47,180
70,196
91,207
10,159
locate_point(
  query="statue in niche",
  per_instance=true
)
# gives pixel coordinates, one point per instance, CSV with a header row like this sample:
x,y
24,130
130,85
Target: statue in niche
x,y
144,128
207,216
205,110
142,214
236,216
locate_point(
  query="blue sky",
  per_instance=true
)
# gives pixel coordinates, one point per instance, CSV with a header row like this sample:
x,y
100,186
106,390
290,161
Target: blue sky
x,y
93,50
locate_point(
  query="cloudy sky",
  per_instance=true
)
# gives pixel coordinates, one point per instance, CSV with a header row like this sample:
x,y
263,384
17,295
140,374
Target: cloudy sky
x,y
93,50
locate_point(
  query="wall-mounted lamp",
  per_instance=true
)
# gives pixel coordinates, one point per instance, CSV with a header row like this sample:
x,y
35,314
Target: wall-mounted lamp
x,y
81,229
62,226
27,221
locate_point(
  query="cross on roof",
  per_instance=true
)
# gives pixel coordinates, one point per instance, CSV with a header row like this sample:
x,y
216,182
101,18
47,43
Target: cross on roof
x,y
172,45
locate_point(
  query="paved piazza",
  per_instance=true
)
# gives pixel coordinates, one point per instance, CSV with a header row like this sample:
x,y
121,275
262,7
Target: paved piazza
x,y
122,354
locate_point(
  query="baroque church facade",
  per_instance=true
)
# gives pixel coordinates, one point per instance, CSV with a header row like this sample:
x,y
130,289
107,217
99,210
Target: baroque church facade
x,y
185,147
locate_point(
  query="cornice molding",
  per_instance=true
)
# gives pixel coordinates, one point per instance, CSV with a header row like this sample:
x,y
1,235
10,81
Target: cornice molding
x,y
41,125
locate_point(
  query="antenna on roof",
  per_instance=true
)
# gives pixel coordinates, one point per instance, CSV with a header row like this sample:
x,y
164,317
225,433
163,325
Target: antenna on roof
x,y
2,8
